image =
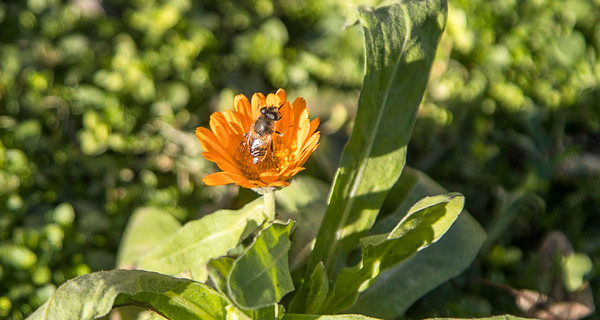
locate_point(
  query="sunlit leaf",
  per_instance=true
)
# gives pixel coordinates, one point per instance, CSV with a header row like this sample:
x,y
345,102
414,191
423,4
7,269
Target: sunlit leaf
x,y
575,267
400,44
94,295
199,241
146,228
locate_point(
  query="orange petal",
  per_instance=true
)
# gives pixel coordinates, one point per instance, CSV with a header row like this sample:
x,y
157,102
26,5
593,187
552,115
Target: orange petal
x,y
304,156
214,151
218,178
258,101
279,184
244,109
276,99
314,124
229,132
269,177
282,95
299,106
286,124
291,173
303,128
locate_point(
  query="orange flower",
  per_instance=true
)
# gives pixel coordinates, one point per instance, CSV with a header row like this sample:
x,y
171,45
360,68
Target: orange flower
x,y
256,146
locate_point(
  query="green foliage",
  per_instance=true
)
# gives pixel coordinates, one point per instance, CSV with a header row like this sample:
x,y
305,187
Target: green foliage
x,y
400,44
93,295
423,225
98,101
203,239
144,222
513,103
428,268
261,277
254,280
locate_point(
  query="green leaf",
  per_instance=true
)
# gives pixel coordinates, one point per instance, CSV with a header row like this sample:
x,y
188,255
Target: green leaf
x,y
218,271
261,276
428,268
574,268
400,44
291,316
426,222
318,290
504,317
93,295
201,240
305,201
273,311
146,228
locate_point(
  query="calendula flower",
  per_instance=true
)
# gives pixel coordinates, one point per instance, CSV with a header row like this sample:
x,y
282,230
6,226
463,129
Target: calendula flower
x,y
260,144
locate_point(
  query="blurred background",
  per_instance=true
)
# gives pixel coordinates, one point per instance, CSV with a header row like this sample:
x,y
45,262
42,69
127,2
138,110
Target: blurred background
x,y
99,100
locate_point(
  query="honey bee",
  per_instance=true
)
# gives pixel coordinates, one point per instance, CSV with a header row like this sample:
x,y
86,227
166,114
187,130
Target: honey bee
x,y
256,147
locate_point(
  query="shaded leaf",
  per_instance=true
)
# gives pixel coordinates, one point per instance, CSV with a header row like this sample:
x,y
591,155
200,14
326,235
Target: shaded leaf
x,y
305,201
201,240
426,222
504,317
400,44
318,290
261,276
146,228
218,271
429,267
93,295
291,316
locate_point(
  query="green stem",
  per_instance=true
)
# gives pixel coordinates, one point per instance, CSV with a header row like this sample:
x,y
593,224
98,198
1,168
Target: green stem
x,y
269,198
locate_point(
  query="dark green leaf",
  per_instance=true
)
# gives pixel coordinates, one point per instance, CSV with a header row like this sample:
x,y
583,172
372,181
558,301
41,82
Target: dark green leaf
x,y
261,276
426,222
218,271
428,268
318,290
291,316
504,317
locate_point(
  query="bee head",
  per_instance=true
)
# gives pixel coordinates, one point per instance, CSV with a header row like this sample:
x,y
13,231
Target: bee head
x,y
271,112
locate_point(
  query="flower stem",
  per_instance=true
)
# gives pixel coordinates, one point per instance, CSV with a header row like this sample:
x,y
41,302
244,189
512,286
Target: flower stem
x,y
269,198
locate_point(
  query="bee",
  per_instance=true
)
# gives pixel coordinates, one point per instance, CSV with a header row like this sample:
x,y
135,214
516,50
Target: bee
x,y
256,147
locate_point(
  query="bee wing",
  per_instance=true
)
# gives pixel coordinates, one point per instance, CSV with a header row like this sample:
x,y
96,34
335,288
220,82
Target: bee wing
x,y
243,149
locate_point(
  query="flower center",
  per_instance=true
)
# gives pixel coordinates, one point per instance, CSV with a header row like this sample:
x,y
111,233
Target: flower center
x,y
252,167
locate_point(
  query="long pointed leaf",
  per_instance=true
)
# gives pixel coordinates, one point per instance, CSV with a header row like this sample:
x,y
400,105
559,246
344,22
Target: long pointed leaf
x,y
400,44
201,240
